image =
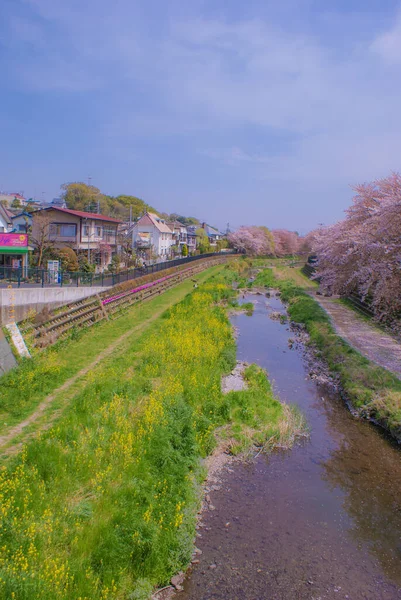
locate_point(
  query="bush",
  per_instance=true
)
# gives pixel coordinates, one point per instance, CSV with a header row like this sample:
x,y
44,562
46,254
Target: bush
x,y
68,259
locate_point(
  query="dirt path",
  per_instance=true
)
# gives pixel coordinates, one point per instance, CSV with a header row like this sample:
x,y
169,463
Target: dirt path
x,y
376,345
15,431
18,429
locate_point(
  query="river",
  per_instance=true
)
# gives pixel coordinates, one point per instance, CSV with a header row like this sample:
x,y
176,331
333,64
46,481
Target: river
x,y
321,521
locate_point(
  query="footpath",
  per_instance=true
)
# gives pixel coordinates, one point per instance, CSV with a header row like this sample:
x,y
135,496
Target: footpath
x,y
377,345
363,335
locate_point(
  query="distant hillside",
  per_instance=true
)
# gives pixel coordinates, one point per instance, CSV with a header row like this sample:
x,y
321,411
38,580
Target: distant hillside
x,y
80,196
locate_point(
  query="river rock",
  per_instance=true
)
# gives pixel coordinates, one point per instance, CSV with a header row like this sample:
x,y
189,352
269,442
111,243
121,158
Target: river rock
x,y
177,580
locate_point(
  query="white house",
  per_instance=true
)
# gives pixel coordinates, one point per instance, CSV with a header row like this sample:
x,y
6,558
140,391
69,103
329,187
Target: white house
x,y
6,224
151,234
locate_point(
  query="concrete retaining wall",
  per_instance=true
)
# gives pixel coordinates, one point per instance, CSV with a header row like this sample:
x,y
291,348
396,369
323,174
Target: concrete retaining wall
x,y
16,303
7,359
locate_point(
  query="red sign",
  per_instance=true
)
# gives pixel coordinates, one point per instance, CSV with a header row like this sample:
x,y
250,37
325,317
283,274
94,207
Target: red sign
x,y
14,240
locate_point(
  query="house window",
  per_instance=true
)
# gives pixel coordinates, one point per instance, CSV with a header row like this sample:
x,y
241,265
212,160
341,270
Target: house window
x,y
66,230
86,230
98,231
22,228
109,234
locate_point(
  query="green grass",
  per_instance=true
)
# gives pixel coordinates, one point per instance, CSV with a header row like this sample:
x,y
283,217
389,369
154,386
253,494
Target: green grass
x,y
102,505
24,387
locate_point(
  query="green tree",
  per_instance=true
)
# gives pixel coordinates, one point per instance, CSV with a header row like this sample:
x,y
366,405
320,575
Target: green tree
x,y
203,241
80,196
114,265
130,203
16,203
84,265
184,250
68,259
221,244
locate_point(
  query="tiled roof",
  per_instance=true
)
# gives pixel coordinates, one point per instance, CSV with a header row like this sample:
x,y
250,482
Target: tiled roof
x,y
84,215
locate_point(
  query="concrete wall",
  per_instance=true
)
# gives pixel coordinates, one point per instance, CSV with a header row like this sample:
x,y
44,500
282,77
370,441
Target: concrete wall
x,y
24,300
7,360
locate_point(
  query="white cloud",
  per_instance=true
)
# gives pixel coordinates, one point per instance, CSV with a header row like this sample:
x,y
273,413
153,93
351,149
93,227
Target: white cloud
x,y
223,83
388,44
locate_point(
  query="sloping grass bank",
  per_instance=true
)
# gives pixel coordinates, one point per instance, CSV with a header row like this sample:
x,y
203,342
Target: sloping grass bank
x,y
374,391
25,386
103,504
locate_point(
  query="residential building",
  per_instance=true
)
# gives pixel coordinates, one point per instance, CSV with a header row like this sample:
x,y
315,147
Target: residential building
x,y
191,238
152,235
6,224
21,222
8,199
213,234
180,234
13,246
91,234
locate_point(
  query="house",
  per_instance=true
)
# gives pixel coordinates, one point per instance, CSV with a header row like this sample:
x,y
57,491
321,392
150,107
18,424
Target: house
x,y
191,238
152,235
8,199
89,234
180,234
21,222
6,224
13,246
213,234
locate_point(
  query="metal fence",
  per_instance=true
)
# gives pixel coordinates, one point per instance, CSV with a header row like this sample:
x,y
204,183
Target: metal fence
x,y
44,278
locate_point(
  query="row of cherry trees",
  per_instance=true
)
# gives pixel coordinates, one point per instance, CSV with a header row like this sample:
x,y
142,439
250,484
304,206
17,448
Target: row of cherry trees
x,y
362,253
260,241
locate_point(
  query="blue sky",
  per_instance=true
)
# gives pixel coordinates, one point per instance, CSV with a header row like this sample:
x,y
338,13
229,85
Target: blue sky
x,y
258,112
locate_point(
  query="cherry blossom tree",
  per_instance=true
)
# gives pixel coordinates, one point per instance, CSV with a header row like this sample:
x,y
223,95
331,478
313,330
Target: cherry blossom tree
x,y
255,241
362,253
285,242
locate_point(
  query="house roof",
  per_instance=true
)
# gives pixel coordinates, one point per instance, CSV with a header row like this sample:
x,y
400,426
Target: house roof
x,y
83,215
175,224
211,230
158,223
8,212
5,214
21,214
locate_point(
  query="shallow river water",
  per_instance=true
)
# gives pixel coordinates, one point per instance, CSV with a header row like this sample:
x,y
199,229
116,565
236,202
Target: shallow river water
x,y
321,521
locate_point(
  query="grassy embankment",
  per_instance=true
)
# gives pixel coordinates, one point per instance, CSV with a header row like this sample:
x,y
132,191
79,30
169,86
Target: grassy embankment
x,y
103,504
374,391
23,388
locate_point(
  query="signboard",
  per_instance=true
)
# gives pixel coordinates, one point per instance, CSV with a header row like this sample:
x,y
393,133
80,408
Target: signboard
x,y
14,240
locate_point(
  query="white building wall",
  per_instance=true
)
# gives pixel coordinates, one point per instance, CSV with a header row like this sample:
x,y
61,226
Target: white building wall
x,y
160,242
3,225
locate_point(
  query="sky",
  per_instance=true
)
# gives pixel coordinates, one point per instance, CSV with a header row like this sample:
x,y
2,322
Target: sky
x,y
248,113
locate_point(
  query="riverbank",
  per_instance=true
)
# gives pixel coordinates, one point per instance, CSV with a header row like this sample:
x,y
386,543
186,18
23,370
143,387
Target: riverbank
x,y
320,521
373,392
103,504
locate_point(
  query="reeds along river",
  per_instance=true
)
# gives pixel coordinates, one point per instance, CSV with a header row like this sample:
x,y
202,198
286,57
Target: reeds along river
x,y
318,522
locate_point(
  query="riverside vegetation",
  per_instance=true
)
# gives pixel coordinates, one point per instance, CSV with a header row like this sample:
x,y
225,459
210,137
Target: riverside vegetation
x,y
373,391
102,505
